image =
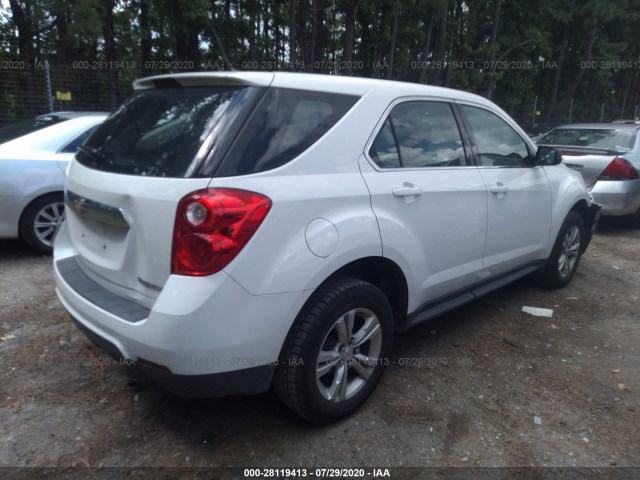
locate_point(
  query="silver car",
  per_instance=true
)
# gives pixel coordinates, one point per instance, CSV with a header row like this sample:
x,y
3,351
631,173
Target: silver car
x,y
34,155
608,157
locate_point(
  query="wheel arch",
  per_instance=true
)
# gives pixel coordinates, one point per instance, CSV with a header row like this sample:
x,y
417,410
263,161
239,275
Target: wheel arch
x,y
31,202
582,209
383,274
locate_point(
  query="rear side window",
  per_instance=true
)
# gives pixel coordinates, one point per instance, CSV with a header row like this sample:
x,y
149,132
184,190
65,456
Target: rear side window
x,y
384,150
13,131
622,139
158,132
284,124
419,134
73,145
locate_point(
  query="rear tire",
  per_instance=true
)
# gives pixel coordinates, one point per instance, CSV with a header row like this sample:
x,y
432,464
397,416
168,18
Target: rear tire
x,y
41,221
565,256
336,352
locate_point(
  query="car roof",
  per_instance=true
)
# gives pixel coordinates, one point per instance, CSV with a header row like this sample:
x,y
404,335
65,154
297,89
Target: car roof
x,y
51,138
307,81
71,114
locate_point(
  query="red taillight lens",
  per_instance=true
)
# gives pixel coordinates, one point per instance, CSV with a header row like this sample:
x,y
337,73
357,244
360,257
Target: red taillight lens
x,y
619,169
212,227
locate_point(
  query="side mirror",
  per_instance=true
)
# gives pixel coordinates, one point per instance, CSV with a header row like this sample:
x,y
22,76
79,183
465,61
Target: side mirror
x,y
548,156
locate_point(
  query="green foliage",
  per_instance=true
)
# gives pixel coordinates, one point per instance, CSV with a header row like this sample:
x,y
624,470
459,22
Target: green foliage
x,y
573,56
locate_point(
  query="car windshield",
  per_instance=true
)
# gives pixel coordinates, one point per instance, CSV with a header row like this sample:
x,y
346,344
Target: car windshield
x,y
617,139
158,132
15,130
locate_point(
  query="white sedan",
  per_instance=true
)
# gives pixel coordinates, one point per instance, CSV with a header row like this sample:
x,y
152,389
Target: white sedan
x,y
34,155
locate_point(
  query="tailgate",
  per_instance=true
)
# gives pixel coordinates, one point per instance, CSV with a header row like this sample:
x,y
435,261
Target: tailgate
x,y
126,181
121,228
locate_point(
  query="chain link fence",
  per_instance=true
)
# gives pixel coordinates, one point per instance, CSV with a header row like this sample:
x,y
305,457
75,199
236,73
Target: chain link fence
x,y
534,118
30,90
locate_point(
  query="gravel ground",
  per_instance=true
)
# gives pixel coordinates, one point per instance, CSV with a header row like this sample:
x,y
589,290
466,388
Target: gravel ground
x,y
486,385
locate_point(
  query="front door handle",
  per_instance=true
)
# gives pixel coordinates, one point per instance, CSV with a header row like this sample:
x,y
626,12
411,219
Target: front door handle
x,y
499,188
407,190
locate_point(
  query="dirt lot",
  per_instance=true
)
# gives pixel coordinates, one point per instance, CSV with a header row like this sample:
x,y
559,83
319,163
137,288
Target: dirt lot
x,y
486,385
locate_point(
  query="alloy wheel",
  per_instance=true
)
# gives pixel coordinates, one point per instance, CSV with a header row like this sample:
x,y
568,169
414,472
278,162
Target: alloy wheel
x,y
349,354
570,251
47,222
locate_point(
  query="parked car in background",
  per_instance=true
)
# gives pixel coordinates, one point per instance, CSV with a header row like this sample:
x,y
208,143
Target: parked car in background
x,y
34,155
608,157
227,232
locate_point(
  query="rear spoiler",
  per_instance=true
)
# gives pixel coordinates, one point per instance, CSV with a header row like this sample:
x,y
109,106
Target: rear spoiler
x,y
200,79
571,150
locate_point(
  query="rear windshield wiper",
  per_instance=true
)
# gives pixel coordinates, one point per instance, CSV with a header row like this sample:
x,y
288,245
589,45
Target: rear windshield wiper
x,y
94,154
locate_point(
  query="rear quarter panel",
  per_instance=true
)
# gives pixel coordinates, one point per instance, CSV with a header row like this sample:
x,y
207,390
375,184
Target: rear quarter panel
x,y
322,183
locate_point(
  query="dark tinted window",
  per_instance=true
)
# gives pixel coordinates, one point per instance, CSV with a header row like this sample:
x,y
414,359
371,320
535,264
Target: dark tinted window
x,y
13,131
384,150
622,139
73,145
427,136
284,124
158,132
498,144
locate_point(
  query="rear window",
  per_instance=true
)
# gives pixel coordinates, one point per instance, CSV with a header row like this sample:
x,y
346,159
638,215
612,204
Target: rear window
x,y
159,132
15,130
622,139
284,124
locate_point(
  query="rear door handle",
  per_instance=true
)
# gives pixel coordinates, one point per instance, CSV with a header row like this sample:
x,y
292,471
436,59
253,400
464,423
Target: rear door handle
x,y
499,188
407,190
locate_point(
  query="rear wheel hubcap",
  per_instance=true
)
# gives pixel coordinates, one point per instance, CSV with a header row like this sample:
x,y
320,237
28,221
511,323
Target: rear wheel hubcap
x,y
349,354
47,222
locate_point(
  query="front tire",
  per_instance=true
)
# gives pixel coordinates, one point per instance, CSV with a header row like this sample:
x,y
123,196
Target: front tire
x,y
336,352
565,256
41,221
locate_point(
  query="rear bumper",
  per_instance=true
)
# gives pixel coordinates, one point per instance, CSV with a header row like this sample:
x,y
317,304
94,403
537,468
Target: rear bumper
x,y
617,197
246,381
203,336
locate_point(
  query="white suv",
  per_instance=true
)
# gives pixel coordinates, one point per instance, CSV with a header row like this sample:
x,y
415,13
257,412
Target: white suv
x,y
232,231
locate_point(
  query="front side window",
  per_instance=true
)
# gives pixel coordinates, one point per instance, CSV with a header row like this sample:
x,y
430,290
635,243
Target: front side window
x,y
498,144
419,134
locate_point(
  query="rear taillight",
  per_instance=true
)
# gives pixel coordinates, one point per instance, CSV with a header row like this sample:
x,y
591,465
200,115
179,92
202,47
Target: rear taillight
x,y
619,169
212,227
